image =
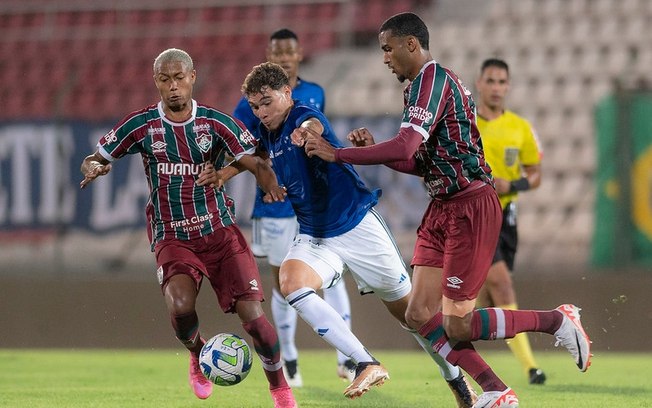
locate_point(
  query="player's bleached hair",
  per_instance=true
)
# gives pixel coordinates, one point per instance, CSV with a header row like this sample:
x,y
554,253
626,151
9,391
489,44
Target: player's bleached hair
x,y
265,75
494,62
404,24
173,54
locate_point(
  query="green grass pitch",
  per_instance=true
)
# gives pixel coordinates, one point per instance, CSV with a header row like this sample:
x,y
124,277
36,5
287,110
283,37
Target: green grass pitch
x,y
158,378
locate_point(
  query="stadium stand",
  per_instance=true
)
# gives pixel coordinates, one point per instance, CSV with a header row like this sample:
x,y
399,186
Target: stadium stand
x,y
96,54
565,56
61,60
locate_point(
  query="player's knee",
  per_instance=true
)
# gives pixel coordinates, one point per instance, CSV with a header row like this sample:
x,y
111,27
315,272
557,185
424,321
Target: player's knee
x,y
415,318
294,276
180,291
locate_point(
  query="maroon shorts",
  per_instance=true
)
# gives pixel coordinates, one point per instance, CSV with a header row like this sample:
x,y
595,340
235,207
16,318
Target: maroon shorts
x,y
460,236
223,257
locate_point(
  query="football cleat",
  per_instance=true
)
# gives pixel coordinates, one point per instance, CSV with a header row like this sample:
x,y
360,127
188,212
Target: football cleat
x,y
536,376
200,385
497,399
367,374
283,398
572,336
292,374
463,391
346,371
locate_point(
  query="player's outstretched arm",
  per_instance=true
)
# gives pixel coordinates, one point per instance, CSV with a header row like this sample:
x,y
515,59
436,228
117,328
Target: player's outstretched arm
x,y
361,137
92,167
265,177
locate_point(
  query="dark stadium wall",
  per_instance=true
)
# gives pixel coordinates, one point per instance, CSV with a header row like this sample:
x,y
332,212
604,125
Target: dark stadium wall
x,y
118,314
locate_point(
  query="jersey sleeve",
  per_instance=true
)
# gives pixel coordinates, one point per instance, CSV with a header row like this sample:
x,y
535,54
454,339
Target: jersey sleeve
x,y
531,152
304,114
426,101
321,98
237,139
123,139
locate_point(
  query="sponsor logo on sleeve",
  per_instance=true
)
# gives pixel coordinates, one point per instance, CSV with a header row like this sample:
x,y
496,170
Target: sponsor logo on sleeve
x,y
419,113
110,137
247,137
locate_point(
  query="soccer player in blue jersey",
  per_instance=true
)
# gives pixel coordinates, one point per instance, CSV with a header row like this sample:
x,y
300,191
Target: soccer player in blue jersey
x,y
439,141
338,228
275,225
192,225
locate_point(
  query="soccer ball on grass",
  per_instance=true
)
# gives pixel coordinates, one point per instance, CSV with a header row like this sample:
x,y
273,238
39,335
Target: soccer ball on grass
x,y
225,359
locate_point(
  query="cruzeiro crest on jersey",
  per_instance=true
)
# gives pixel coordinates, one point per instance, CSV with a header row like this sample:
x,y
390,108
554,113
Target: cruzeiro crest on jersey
x,y
204,141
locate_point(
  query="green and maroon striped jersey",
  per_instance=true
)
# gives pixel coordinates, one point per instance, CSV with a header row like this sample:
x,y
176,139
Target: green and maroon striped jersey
x,y
173,156
442,110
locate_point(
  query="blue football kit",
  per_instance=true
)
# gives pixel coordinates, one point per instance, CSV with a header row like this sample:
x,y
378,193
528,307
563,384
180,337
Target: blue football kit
x,y
308,93
328,199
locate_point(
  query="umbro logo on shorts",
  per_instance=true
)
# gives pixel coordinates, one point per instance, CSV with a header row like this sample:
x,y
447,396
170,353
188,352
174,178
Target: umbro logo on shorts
x,y
254,284
454,282
159,275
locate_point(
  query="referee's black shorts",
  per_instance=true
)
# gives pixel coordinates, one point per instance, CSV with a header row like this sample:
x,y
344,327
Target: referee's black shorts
x,y
508,240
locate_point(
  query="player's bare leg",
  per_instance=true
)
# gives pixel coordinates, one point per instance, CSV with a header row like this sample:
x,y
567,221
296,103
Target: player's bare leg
x,y
180,296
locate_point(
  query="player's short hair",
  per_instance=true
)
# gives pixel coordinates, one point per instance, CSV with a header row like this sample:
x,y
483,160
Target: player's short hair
x,y
404,24
494,62
283,34
265,75
173,54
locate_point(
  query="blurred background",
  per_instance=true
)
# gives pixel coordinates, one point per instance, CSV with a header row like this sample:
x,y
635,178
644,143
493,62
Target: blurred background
x,y
71,69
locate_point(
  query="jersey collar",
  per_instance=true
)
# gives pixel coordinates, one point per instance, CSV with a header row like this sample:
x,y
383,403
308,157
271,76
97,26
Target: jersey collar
x,y
165,119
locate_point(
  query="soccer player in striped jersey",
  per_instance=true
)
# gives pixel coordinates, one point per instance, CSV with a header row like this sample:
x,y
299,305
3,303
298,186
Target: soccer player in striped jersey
x,y
512,150
275,225
439,141
192,227
338,228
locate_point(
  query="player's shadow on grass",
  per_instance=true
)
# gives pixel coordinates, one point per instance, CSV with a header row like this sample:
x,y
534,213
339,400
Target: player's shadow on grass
x,y
597,389
309,396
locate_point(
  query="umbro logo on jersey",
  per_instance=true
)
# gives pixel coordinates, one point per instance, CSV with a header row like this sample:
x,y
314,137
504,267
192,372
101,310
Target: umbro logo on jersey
x,y
254,284
204,141
158,146
454,282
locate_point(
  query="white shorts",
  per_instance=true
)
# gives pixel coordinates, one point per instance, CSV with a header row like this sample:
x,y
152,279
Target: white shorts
x,y
272,238
368,251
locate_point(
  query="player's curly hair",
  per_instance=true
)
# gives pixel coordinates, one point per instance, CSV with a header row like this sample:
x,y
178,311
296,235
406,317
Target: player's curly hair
x,y
265,75
404,24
